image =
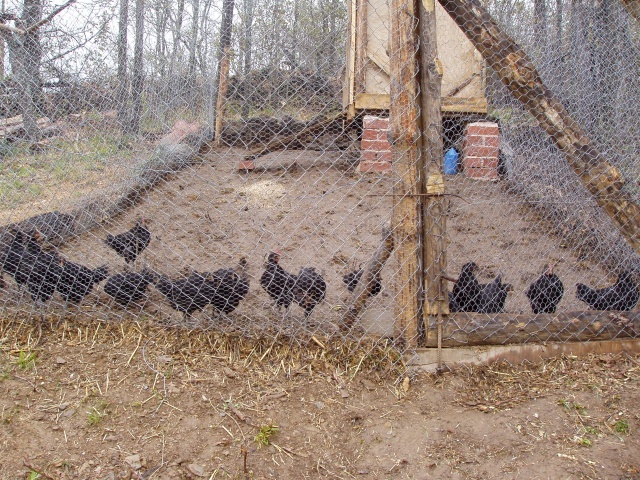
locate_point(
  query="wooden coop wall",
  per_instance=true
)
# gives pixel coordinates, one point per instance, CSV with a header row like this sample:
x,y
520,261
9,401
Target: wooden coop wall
x,y
367,80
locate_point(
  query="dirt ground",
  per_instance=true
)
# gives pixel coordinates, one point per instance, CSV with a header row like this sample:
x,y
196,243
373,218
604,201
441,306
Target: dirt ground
x,y
318,211
127,401
109,394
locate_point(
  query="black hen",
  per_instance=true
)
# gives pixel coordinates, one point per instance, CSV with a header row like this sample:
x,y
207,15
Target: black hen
x,y
466,291
623,295
493,296
309,290
11,256
76,281
126,288
187,295
38,269
546,292
277,282
352,279
131,243
230,287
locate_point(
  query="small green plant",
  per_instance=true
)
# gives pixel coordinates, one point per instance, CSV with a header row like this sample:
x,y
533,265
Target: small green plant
x,y
33,475
621,426
26,361
591,430
580,408
97,413
263,438
563,403
583,441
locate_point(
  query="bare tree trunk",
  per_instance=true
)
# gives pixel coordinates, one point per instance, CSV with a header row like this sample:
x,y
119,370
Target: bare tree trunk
x,y
161,41
540,22
518,74
559,26
26,56
122,77
177,38
247,46
2,46
137,83
191,65
223,66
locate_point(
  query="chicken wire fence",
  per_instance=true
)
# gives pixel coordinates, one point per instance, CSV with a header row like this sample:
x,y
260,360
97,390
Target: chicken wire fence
x,y
111,159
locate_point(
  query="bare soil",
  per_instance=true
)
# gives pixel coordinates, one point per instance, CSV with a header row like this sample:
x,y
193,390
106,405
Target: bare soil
x,y
113,395
125,402
318,211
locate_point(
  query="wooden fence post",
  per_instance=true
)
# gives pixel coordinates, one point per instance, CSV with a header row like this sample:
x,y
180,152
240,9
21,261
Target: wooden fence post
x,y
434,257
404,133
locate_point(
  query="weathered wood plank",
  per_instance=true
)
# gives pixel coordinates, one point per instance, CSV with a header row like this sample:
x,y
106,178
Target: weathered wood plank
x,y
408,166
633,6
426,359
434,212
466,329
519,75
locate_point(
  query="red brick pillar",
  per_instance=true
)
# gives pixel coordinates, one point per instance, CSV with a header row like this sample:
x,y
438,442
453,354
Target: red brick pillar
x,y
375,151
480,151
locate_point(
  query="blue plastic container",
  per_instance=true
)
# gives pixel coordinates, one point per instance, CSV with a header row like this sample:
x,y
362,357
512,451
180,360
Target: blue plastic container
x,y
451,162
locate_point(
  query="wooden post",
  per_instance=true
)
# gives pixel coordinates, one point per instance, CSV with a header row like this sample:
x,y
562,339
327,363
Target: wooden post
x,y
633,7
434,257
404,133
223,67
519,75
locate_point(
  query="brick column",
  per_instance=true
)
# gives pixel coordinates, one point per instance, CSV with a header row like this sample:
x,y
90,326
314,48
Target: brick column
x,y
375,151
480,151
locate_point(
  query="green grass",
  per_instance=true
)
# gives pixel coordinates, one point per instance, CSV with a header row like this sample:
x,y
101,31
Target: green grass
x,y
26,175
621,426
26,360
263,438
97,413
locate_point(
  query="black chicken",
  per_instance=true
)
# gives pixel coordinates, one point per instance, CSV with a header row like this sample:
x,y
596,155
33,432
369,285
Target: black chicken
x,y
126,288
352,279
466,291
131,243
38,269
546,292
11,255
493,296
230,287
188,295
623,295
309,289
77,281
277,282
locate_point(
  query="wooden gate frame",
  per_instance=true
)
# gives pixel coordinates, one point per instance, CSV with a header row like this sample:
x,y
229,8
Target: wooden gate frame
x,y
418,219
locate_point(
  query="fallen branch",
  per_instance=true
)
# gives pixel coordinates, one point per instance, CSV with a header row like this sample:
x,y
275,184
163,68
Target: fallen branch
x,y
367,280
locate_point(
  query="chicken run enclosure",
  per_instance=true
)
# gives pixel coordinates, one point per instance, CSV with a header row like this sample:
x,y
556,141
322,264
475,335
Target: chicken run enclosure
x,y
475,164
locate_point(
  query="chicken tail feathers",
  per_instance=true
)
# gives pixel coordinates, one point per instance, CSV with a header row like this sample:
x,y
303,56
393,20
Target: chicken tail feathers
x,y
101,273
583,292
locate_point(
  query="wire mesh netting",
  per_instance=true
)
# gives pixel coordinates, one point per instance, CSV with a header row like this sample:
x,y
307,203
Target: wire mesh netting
x,y
227,167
